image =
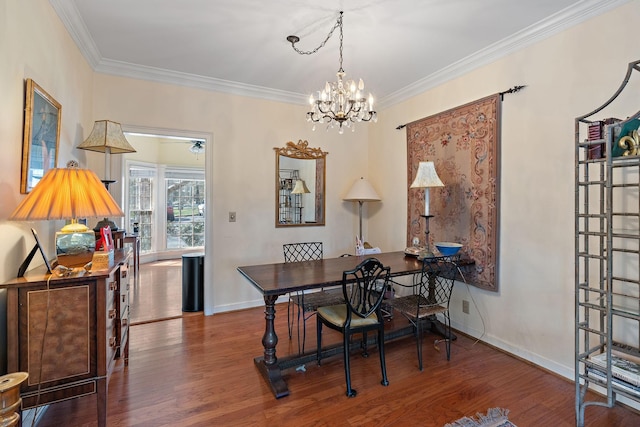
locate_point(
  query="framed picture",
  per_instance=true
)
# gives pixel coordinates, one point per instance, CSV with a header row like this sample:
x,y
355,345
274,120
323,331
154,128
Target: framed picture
x,y
41,135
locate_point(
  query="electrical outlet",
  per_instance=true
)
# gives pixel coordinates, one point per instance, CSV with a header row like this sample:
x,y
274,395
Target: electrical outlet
x,y
465,306
232,217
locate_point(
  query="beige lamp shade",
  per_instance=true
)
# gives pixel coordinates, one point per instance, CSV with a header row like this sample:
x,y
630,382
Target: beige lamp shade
x,y
362,190
426,176
67,193
300,187
107,136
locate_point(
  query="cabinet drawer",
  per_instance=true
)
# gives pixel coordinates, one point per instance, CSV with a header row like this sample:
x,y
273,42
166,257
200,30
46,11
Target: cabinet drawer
x,y
124,327
124,277
112,288
124,304
113,337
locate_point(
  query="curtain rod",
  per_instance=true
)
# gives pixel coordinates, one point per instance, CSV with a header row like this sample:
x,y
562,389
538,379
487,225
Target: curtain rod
x,y
512,90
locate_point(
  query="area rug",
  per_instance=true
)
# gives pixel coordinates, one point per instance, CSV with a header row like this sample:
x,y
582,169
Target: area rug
x,y
496,417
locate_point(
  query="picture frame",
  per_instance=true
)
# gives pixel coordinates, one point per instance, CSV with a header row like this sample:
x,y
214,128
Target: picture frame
x,y
37,247
41,139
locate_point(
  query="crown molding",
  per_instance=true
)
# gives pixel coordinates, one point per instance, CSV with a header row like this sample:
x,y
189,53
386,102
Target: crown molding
x,y
160,75
73,22
570,16
541,30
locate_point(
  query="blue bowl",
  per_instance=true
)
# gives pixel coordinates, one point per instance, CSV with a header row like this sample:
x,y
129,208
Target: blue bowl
x,y
448,248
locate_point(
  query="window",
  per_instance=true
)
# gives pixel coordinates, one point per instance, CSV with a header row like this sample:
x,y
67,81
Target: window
x,y
140,207
185,197
168,204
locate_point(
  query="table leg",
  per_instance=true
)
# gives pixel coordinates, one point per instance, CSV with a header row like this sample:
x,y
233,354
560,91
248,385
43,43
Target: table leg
x,y
268,364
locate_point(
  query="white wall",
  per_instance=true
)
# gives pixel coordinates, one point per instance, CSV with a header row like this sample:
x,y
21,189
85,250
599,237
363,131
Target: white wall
x,y
566,76
51,59
242,175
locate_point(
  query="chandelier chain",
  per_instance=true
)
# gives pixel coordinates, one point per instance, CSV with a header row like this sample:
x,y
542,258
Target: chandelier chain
x,y
324,42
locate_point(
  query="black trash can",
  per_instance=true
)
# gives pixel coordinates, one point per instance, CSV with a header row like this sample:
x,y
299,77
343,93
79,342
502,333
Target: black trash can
x,y
193,282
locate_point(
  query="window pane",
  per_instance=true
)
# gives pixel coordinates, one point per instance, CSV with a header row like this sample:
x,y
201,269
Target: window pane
x,y
141,205
185,197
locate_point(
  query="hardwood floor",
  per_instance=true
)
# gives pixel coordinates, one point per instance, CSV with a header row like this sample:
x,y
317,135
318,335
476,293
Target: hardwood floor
x,y
158,293
199,371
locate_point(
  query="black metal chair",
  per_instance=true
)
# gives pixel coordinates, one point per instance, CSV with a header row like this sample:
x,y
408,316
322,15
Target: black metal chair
x,y
431,296
363,290
306,302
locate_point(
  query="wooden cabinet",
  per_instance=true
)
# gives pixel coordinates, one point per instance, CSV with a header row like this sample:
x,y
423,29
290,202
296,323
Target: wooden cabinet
x,y
68,332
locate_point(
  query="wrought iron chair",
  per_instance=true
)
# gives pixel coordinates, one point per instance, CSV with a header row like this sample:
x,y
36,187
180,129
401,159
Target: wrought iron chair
x,y
358,314
431,295
306,302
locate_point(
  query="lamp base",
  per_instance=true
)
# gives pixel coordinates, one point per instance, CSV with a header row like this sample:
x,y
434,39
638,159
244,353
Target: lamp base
x,y
75,249
105,222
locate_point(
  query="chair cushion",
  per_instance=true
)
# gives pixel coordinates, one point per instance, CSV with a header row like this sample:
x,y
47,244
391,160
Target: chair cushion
x,y
337,315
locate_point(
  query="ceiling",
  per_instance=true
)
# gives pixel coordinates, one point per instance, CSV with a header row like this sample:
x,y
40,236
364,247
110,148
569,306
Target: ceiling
x,y
399,47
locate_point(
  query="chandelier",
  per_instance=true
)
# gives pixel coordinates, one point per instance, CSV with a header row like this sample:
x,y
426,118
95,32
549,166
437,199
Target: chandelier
x,y
340,103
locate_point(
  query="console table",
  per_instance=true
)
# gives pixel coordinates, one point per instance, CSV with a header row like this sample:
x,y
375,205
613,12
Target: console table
x,y
67,332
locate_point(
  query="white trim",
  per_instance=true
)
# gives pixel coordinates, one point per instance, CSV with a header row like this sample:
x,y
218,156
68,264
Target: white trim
x,y
554,24
160,75
566,18
207,137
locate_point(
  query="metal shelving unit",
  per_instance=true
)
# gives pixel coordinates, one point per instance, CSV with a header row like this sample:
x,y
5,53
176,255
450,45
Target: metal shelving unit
x,y
289,207
607,256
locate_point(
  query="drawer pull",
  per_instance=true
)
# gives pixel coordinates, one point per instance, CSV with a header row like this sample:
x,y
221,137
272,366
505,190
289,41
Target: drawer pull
x,y
124,322
124,273
113,286
124,298
112,341
112,313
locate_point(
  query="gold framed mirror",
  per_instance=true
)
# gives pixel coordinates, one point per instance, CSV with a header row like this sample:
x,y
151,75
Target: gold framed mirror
x,y
300,185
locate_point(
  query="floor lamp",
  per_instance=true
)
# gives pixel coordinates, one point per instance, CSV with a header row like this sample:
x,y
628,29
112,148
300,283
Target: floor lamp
x,y
361,191
300,188
426,178
107,137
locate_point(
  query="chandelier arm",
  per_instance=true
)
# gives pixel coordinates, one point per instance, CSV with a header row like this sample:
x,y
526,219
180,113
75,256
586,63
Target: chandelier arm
x,y
295,39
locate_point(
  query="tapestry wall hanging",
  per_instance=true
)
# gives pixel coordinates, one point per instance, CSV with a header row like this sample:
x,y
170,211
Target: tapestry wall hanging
x,y
464,144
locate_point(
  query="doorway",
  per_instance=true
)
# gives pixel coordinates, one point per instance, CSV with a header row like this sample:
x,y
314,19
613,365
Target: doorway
x,y
181,175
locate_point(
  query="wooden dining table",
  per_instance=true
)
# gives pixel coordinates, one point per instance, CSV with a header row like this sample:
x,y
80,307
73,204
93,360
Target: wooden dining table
x,y
273,280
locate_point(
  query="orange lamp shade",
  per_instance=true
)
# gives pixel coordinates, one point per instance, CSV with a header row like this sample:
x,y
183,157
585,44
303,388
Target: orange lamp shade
x,y
67,193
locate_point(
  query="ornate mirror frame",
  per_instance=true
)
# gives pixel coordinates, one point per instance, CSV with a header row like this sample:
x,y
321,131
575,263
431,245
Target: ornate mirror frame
x,y
299,162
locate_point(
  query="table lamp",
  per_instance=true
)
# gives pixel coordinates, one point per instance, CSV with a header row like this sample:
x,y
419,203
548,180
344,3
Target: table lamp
x,y
107,137
426,178
69,193
361,191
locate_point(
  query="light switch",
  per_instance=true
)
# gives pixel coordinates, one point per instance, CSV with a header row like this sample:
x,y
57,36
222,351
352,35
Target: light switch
x,y
232,217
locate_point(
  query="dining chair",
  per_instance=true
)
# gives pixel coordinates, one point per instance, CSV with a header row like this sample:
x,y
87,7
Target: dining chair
x,y
363,290
306,302
430,297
